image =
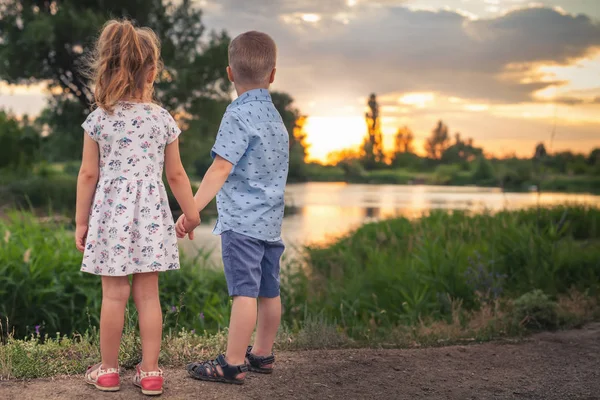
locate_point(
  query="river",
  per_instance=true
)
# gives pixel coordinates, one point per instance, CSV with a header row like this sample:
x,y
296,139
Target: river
x,y
327,210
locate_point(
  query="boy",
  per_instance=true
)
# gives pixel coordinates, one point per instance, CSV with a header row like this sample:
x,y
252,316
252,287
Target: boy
x,y
249,172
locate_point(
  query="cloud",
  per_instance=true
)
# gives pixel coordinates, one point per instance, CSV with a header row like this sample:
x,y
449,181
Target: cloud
x,y
388,47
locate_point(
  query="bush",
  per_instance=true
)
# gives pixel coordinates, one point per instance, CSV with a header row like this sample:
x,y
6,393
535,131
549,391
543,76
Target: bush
x,y
51,192
400,270
41,285
535,311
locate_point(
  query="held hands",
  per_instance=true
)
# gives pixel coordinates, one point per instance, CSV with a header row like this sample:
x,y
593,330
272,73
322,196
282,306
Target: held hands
x,y
185,226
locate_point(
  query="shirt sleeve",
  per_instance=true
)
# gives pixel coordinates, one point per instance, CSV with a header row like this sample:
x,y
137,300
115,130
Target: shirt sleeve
x,y
92,125
232,139
171,127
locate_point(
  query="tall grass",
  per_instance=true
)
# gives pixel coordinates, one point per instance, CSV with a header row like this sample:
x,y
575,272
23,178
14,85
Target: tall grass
x,y
42,289
401,271
384,275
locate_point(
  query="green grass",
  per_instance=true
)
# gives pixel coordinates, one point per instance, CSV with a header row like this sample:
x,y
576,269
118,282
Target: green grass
x,y
444,278
400,271
40,284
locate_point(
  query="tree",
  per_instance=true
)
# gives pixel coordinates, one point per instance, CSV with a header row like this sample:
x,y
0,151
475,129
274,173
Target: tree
x,y
294,123
19,143
461,152
49,40
540,151
373,143
438,141
404,141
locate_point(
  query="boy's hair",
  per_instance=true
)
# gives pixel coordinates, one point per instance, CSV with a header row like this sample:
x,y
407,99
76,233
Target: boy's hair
x,y
122,59
252,57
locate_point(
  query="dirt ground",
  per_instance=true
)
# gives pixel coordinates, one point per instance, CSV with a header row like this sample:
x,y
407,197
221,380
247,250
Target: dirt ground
x,y
564,365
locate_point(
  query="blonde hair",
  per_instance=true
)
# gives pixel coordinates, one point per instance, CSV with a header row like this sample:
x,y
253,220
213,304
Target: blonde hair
x,y
252,57
122,59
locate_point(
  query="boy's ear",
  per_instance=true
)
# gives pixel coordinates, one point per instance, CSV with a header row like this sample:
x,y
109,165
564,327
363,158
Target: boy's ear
x,y
230,74
272,77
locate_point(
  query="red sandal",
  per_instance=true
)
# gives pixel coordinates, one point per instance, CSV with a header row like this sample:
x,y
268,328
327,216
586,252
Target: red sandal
x,y
106,380
151,382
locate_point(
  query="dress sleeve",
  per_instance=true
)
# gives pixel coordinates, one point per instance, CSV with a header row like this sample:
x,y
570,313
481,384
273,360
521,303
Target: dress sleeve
x,y
171,127
232,139
92,125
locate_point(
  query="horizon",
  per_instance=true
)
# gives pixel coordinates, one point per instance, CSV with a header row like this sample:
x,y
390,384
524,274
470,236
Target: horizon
x,y
454,60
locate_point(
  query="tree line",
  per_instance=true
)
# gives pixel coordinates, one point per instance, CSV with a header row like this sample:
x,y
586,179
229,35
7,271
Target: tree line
x,y
49,42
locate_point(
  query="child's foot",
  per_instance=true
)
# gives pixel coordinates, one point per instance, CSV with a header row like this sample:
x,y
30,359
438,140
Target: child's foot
x,y
105,380
260,364
218,370
151,382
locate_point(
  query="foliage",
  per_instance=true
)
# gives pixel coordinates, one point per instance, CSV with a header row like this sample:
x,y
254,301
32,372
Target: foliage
x,y
372,149
403,141
49,42
294,123
45,192
461,151
535,311
484,172
19,144
400,271
41,285
438,141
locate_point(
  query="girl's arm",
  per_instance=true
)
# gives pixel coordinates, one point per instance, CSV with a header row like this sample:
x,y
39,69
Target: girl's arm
x,y
86,186
180,183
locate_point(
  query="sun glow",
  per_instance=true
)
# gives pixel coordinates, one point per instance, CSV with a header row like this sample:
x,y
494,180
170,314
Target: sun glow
x,y
328,134
417,99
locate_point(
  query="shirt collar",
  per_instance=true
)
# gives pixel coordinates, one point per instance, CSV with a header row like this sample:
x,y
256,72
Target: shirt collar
x,y
252,95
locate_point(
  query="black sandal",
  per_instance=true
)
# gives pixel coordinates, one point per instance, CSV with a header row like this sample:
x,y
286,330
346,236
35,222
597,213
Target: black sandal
x,y
257,363
207,371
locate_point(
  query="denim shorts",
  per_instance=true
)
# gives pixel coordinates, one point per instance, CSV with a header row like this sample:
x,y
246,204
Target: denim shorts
x,y
251,265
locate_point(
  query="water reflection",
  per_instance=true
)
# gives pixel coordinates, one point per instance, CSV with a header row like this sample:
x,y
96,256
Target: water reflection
x,y
328,210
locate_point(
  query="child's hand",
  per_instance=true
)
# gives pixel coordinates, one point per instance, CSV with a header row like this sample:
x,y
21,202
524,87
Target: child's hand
x,y
186,226
81,236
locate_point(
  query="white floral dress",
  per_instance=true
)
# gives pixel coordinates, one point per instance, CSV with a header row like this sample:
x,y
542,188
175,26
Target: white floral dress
x,y
131,228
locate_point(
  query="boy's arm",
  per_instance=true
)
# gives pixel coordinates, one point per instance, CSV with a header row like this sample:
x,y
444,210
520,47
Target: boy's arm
x,y
213,181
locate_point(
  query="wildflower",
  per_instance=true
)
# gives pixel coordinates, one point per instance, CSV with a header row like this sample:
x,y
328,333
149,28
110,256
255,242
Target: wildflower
x,y
193,332
27,256
201,315
37,330
173,309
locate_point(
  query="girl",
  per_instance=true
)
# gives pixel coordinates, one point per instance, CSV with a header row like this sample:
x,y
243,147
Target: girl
x,y
124,225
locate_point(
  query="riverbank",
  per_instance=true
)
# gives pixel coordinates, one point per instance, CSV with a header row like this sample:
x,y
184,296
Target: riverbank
x,y
445,278
548,366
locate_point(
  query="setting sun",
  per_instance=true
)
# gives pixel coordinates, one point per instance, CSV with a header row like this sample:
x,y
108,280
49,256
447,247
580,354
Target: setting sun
x,y
328,134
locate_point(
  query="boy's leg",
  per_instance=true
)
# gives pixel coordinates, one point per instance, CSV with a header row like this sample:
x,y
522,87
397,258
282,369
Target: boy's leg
x,y
269,302
115,294
242,256
241,326
147,302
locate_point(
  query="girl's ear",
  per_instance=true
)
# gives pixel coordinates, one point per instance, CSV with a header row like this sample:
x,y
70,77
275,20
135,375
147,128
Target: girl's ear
x,y
151,76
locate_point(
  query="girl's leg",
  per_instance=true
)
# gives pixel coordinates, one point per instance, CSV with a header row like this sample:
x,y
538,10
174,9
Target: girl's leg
x,y
115,294
147,302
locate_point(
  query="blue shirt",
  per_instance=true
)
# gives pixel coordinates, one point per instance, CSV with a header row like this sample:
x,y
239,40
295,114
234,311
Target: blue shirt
x,y
254,139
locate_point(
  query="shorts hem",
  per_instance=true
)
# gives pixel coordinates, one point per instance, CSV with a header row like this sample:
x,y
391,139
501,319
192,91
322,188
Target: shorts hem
x,y
237,293
270,294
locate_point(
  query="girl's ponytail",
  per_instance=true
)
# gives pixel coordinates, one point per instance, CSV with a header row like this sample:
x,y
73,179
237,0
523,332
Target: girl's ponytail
x,y
125,63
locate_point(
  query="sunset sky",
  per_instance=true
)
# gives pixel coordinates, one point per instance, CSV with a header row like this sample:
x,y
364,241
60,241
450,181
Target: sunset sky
x,y
500,71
